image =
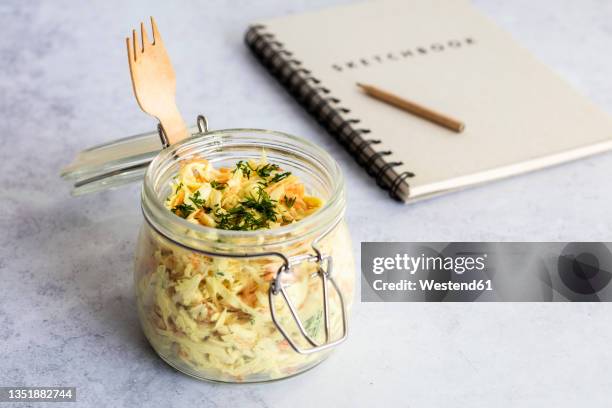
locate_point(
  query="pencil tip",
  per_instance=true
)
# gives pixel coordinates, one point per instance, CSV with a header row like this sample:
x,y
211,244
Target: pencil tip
x,y
359,84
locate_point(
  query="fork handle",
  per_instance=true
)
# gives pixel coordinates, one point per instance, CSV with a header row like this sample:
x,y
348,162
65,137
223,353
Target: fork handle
x,y
174,125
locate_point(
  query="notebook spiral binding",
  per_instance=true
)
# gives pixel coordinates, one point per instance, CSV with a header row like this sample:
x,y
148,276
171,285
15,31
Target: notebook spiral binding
x,y
326,109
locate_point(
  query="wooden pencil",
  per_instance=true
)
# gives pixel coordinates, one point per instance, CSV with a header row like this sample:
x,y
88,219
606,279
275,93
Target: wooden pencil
x,y
414,108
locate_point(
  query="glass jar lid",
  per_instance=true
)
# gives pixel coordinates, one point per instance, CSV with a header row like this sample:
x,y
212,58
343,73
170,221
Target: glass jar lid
x,y
121,161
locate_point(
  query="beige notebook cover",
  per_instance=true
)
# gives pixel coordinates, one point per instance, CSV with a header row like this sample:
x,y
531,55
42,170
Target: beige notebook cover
x,y
519,115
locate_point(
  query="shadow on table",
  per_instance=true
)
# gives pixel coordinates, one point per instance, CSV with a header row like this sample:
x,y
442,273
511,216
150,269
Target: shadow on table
x,y
81,270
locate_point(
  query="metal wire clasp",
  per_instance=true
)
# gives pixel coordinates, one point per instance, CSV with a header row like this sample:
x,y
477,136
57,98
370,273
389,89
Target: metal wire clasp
x,y
325,273
201,121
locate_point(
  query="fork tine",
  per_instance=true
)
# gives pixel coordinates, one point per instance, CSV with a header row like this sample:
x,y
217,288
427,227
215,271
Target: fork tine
x,y
156,36
134,42
130,51
143,36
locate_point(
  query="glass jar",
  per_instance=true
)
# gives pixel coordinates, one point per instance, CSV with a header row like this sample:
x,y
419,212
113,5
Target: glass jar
x,y
245,306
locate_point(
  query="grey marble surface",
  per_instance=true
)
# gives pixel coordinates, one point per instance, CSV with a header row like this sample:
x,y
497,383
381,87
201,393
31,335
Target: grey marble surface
x,y
67,313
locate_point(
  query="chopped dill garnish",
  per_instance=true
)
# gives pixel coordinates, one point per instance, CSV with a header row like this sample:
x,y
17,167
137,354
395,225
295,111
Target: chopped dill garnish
x,y
280,176
183,210
289,201
197,199
178,187
265,170
239,219
262,203
245,167
218,186
199,202
254,212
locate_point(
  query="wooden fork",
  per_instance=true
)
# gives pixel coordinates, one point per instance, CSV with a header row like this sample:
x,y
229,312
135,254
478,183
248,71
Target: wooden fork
x,y
154,82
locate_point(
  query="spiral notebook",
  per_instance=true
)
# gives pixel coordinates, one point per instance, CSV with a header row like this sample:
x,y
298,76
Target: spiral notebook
x,y
445,55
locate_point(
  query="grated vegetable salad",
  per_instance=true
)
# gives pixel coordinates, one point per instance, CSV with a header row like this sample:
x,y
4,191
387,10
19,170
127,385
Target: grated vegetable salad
x,y
253,195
